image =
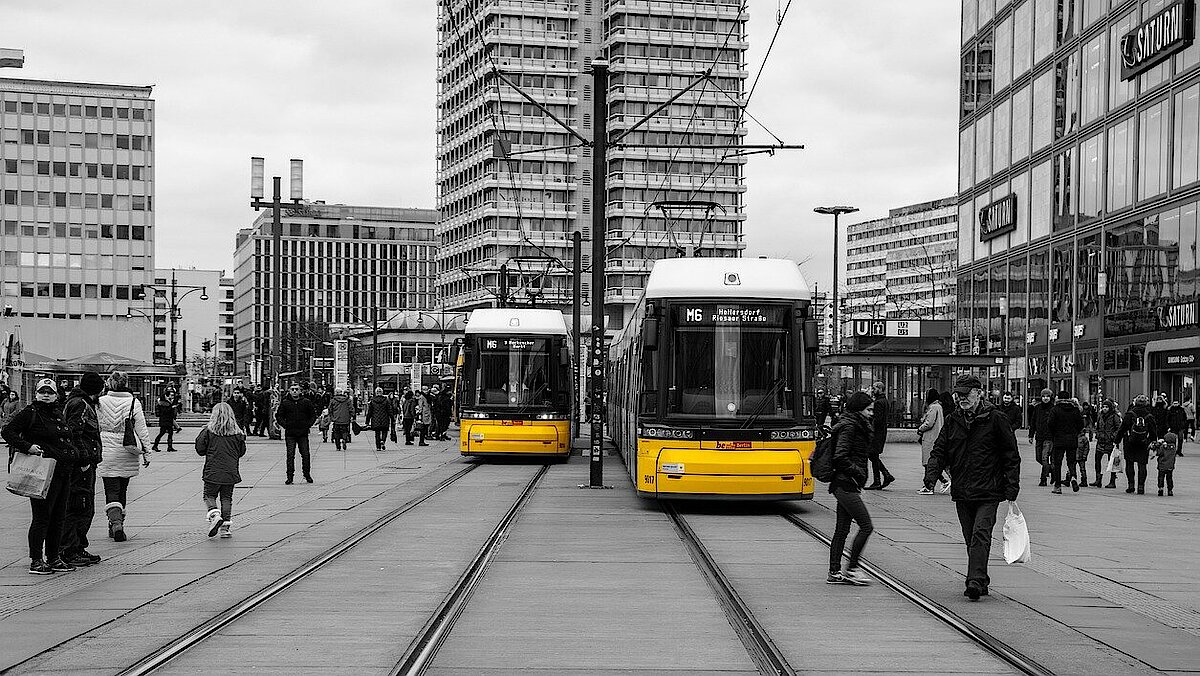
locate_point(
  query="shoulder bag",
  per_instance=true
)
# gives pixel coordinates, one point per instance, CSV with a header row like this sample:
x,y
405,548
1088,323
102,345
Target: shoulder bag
x,y
129,440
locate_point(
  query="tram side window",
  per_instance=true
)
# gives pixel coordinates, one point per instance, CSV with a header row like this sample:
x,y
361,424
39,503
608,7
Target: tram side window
x,y
648,390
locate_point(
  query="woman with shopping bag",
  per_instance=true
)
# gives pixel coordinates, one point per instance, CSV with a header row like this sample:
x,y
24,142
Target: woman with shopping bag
x,y
38,430
1108,423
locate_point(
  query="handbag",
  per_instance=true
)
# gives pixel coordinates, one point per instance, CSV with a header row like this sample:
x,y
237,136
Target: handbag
x,y
1016,536
30,475
129,440
355,427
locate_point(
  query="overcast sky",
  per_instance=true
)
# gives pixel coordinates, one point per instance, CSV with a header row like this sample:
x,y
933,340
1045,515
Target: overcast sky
x,y
869,87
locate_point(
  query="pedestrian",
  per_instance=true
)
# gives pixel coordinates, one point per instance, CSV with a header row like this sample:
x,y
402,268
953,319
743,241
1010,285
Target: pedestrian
x,y
879,423
821,408
9,407
1161,417
1011,410
1166,451
408,411
166,409
341,415
242,409
927,433
323,425
1177,422
1137,430
38,429
1083,446
1039,432
295,416
979,449
222,443
1089,417
1108,422
853,444
120,463
1064,424
1189,409
424,415
441,411
79,416
262,410
379,418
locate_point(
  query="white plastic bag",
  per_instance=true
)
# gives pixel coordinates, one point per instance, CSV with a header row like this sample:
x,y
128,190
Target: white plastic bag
x,y
1115,462
1016,536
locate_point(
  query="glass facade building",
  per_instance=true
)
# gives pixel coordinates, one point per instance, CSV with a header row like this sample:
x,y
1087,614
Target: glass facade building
x,y
1079,184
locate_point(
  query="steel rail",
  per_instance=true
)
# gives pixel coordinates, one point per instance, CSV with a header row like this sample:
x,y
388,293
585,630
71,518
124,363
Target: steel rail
x,y
421,651
767,657
1004,651
175,648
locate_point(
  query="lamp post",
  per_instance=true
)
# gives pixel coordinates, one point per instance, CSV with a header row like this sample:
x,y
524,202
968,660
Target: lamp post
x,y
173,302
1102,294
275,205
836,211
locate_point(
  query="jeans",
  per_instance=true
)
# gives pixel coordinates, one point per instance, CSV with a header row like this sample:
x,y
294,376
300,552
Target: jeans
x,y
81,509
850,507
1056,461
45,529
341,436
225,491
408,430
381,437
977,520
292,443
1135,467
116,489
1045,451
169,430
1169,476
878,470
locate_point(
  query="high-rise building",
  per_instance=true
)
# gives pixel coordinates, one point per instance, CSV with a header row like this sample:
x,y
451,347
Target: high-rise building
x,y
226,350
513,185
77,214
1079,188
341,264
902,266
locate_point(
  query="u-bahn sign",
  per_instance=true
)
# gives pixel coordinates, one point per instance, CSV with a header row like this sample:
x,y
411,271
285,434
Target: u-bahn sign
x,y
998,218
1157,38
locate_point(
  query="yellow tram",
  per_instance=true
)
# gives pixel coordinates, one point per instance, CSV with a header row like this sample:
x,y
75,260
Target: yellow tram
x,y
515,385
709,394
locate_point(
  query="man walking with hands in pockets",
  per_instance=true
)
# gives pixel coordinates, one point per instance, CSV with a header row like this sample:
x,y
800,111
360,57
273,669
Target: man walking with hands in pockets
x,y
978,448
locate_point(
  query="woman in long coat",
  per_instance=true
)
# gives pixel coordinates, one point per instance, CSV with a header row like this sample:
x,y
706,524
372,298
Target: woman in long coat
x,y
120,463
930,428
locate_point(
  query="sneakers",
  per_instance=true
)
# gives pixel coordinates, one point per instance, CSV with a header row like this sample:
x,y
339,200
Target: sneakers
x,y
39,567
60,566
855,577
1042,482
925,491
974,590
1057,490
214,521
88,555
873,487
1074,485
77,560
225,530
945,488
886,480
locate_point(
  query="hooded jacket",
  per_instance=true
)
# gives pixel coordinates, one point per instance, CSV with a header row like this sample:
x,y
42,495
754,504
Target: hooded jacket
x,y
341,409
114,408
38,424
83,428
1064,424
166,410
379,413
1137,449
852,448
979,450
1107,425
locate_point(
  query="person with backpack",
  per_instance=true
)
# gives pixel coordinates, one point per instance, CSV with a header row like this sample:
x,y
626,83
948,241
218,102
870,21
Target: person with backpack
x,y
1108,422
1063,424
1039,432
979,449
851,447
1137,430
38,429
222,444
379,418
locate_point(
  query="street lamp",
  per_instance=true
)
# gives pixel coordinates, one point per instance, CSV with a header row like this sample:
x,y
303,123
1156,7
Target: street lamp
x,y
256,201
1102,294
173,304
836,211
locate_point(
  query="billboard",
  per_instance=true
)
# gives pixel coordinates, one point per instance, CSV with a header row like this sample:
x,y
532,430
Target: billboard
x,y
341,364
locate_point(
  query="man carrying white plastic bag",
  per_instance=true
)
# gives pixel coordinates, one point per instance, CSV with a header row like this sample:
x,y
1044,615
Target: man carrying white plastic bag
x,y
978,448
1016,536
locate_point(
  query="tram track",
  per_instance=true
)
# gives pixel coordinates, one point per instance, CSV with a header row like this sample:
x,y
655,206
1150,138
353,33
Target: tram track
x,y
166,654
1010,655
767,657
424,648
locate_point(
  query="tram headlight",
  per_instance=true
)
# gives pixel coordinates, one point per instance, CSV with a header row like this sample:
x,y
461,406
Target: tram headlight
x,y
550,416
476,415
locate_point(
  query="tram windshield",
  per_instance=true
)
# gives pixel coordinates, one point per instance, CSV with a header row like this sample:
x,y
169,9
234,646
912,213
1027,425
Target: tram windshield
x,y
730,362
517,372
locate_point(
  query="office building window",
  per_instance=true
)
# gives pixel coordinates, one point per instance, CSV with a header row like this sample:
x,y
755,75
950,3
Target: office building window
x,y
1152,150
1039,201
1091,169
1045,28
1043,110
1119,91
1120,165
1095,79
1066,96
1186,159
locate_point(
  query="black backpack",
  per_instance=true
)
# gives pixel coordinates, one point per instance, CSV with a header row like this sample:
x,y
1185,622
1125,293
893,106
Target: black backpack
x,y
1139,430
820,463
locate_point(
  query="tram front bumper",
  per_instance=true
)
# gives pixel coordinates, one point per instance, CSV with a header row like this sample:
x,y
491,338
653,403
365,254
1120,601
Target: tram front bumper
x,y
767,474
515,438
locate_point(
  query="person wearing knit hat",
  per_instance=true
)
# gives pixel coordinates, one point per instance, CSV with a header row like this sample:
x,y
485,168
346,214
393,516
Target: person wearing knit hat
x,y
79,414
851,450
1039,432
979,449
1064,424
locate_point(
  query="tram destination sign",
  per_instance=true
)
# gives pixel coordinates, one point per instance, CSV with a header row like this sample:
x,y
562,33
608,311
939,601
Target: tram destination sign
x,y
515,344
703,314
998,218
1157,38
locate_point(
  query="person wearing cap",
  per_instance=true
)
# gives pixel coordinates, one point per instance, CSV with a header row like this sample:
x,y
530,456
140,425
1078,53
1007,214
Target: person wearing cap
x,y
120,463
1064,424
977,446
879,427
38,429
79,415
1039,432
852,440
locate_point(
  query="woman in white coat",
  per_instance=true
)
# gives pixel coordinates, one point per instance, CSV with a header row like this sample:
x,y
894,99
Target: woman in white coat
x,y
120,463
927,434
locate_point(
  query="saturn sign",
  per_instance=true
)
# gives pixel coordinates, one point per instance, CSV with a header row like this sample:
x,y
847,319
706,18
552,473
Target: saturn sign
x,y
1157,38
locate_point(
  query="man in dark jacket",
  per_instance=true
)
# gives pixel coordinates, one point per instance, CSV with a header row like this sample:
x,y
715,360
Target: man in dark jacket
x,y
821,408
1177,422
1138,430
295,416
1039,432
442,411
1011,410
341,416
1064,424
167,409
262,410
242,409
379,417
879,424
79,416
852,445
979,449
